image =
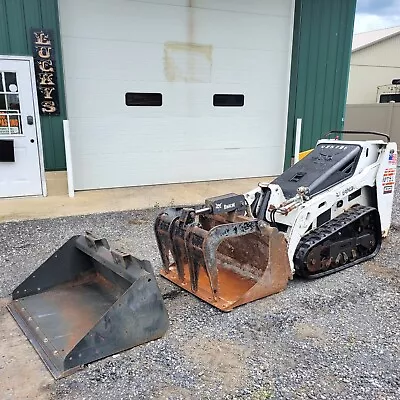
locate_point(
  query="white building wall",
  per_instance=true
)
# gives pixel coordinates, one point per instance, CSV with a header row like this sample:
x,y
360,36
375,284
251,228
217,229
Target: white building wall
x,y
371,67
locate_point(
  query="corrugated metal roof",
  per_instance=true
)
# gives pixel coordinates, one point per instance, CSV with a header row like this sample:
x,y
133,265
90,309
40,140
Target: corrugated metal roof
x,y
365,39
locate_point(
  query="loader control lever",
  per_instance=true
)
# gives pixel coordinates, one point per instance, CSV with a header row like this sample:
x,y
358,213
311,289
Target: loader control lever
x,y
223,204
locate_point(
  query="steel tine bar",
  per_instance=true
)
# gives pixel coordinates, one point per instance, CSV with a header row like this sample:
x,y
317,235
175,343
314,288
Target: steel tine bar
x,y
215,237
162,232
179,249
195,256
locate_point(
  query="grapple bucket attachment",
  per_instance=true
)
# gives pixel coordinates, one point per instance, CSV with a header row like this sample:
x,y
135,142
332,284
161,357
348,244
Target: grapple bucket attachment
x,y
226,260
87,302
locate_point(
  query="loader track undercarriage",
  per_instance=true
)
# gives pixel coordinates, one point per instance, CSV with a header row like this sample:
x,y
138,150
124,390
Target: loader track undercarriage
x,y
349,239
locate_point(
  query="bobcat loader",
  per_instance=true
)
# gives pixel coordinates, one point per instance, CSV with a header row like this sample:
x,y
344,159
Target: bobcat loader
x,y
327,212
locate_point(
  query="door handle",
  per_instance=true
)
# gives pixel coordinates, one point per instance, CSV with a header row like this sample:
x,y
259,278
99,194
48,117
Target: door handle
x,y
29,120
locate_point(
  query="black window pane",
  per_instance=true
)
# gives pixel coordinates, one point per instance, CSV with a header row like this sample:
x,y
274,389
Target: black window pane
x,y
1,82
2,101
228,100
143,99
11,81
13,102
7,151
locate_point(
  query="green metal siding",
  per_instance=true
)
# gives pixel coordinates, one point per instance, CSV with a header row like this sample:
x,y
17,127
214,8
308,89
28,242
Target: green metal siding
x,y
323,31
17,17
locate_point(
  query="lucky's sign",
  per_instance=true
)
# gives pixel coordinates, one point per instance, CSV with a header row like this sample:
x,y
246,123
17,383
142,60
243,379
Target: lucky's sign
x,y
45,71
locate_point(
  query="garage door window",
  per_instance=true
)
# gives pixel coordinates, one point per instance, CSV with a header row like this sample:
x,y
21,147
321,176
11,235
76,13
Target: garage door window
x,y
143,99
228,100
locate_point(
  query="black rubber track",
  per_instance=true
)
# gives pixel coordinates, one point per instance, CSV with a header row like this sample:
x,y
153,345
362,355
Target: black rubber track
x,y
326,232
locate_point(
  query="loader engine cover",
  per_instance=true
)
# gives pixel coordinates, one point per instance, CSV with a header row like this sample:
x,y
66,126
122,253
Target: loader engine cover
x,y
326,166
87,302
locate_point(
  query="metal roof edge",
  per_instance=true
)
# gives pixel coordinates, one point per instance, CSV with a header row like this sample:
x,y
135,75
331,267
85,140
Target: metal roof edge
x,y
376,42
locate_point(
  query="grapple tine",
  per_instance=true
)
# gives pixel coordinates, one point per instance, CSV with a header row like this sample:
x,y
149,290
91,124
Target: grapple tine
x,y
214,238
163,227
179,248
194,246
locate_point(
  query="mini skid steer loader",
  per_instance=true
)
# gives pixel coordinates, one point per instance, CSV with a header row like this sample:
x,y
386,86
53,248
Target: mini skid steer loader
x,y
327,212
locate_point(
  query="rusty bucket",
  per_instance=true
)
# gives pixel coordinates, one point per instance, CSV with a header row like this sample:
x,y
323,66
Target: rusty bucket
x,y
225,260
87,302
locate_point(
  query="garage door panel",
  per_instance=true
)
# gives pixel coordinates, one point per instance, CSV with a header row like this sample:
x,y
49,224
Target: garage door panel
x,y
136,139
178,3
139,61
227,30
119,19
183,24
278,8
144,60
209,134
97,100
239,66
178,100
107,97
145,169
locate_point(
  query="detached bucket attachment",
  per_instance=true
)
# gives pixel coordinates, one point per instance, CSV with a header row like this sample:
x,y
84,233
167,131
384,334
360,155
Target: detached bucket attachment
x,y
87,302
226,259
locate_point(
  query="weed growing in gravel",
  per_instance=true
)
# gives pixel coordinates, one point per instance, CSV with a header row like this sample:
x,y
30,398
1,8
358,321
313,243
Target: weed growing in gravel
x,y
262,394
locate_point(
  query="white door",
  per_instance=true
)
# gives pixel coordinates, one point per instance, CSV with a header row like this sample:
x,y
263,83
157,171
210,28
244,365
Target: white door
x,y
20,172
164,91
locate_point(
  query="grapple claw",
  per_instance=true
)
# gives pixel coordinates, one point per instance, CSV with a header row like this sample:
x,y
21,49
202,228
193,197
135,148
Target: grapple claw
x,y
226,260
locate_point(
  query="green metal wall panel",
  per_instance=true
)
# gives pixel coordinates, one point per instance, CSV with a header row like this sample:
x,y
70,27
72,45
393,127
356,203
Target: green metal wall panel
x,y
17,17
4,40
323,31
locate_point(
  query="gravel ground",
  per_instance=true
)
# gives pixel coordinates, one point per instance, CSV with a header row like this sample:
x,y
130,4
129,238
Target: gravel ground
x,y
333,338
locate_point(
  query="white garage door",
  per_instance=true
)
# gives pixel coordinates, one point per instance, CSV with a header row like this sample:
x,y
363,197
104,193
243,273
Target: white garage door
x,y
164,91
